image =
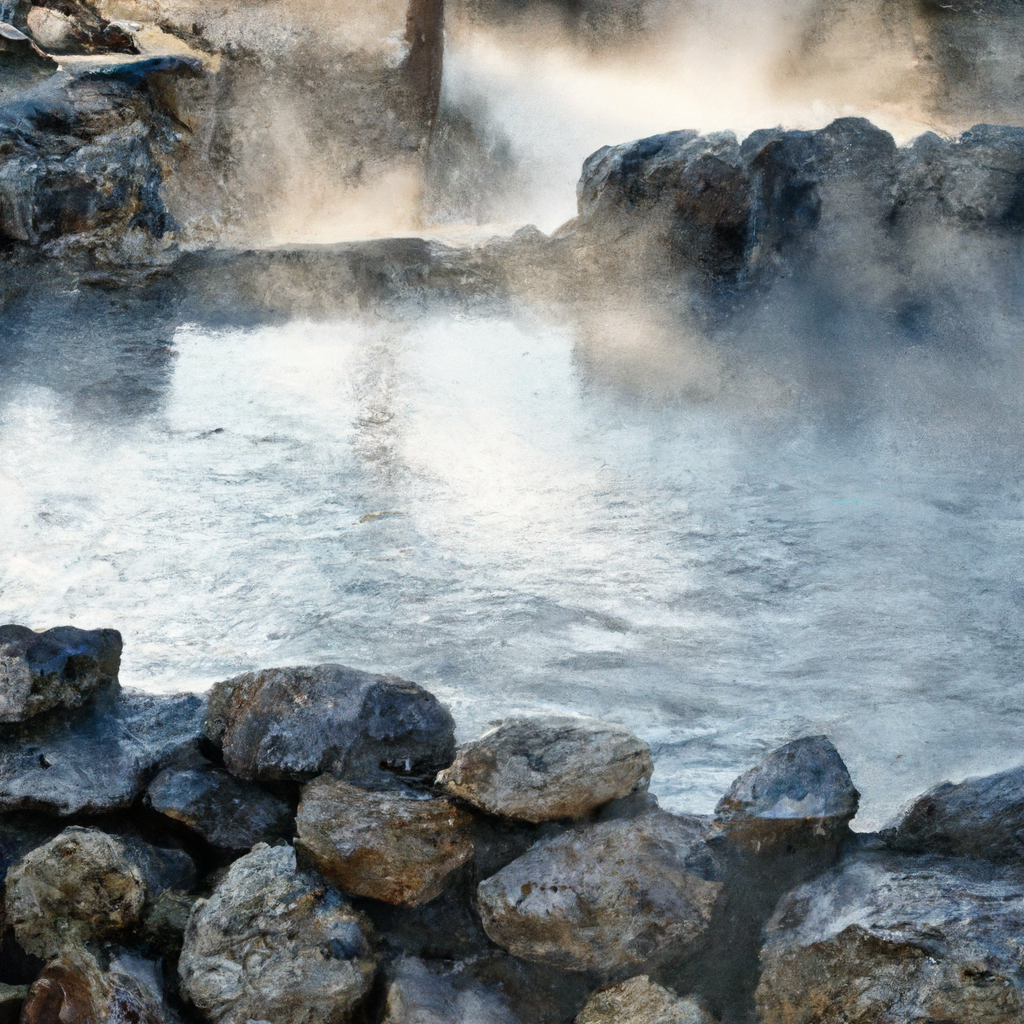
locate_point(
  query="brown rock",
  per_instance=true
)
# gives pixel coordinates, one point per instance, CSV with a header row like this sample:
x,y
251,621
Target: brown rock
x,y
393,846
640,1001
540,769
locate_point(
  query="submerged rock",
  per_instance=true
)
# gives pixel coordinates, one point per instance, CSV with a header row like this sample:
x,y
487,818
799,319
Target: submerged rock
x,y
392,846
59,667
976,818
227,813
296,723
80,886
97,758
423,993
640,1001
275,944
896,937
539,769
613,898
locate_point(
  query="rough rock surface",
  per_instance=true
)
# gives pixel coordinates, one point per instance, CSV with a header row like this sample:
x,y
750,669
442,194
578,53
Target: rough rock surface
x,y
977,818
888,936
296,723
640,1001
60,667
227,813
96,758
544,768
12,999
275,944
82,885
390,845
614,898
423,993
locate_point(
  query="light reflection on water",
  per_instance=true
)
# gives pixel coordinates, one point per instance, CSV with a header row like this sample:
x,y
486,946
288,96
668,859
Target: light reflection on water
x,y
458,502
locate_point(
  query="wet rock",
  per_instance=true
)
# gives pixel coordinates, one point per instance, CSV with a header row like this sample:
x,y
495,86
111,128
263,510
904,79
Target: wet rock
x,y
57,668
97,758
423,993
888,936
275,944
391,845
296,723
544,768
613,898
976,818
227,813
640,1001
80,886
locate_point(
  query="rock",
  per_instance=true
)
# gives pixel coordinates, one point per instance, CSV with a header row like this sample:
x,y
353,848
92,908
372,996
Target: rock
x,y
164,920
390,845
80,886
976,818
163,868
58,668
227,813
423,993
887,936
12,998
97,758
296,723
275,944
70,26
540,769
613,898
538,993
73,988
641,1001
803,780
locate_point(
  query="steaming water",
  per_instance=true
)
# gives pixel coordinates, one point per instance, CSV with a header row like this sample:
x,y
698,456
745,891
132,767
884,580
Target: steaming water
x,y
461,502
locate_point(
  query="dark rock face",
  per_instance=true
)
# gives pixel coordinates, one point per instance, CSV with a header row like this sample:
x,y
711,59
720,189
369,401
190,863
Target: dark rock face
x,y
977,818
389,845
60,667
544,768
296,723
97,758
613,898
894,937
275,944
227,813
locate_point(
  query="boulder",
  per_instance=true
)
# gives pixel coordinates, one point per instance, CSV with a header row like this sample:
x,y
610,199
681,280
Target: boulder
x,y
97,758
887,936
423,993
164,920
391,845
614,898
80,886
550,767
71,26
57,668
640,1001
275,944
12,999
976,818
296,723
227,813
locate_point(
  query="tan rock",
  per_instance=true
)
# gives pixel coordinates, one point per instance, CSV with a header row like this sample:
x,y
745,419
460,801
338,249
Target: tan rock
x,y
640,1001
82,885
544,768
391,846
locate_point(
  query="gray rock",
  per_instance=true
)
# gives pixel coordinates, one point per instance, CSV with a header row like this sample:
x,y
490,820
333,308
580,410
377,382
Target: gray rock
x,y
296,723
390,845
640,1001
57,668
887,937
80,886
275,944
976,818
424,993
227,813
98,758
12,999
544,768
613,898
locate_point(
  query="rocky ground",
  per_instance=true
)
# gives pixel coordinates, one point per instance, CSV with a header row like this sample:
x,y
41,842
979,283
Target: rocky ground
x,y
309,844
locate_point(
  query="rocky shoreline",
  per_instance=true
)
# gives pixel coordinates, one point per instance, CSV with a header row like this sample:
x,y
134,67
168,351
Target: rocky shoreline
x,y
309,844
